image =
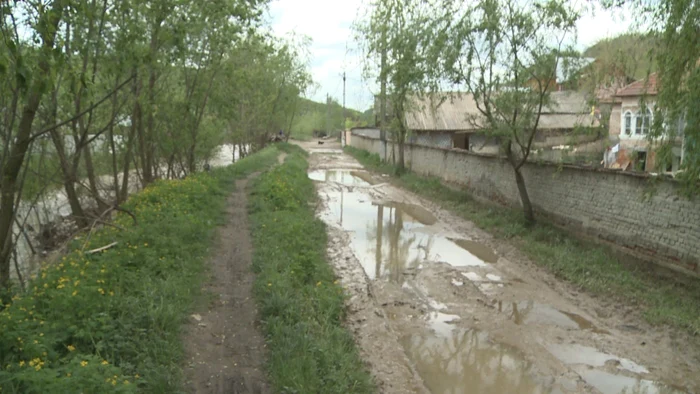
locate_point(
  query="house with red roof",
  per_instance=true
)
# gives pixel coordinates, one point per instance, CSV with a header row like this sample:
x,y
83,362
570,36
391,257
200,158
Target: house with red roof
x,y
631,119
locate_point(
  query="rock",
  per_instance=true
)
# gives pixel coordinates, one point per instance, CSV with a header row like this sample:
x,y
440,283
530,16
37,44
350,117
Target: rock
x,y
197,317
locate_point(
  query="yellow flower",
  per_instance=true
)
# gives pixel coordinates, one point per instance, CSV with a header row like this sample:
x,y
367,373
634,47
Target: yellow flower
x,y
68,374
318,284
75,292
38,367
137,376
105,362
83,363
101,291
70,348
21,363
111,293
126,382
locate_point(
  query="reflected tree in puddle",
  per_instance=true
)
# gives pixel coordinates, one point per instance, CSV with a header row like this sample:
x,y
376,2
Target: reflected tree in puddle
x,y
467,362
392,244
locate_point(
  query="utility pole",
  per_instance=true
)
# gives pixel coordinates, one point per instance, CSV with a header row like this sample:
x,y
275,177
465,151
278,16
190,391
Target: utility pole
x,y
328,114
342,137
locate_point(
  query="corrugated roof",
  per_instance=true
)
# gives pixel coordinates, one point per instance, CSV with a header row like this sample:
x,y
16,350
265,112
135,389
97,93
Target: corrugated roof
x,y
640,88
458,112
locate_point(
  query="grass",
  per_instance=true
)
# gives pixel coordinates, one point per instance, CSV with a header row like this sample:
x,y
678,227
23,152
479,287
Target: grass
x,y
111,321
301,305
662,297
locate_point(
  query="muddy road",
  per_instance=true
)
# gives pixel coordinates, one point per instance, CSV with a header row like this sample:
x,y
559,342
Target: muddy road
x,y
439,306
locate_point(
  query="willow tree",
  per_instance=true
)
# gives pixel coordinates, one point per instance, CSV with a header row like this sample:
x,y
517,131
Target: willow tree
x,y
395,40
504,54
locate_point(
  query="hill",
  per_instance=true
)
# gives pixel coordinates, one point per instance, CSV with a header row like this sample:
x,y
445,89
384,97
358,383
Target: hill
x,y
314,116
631,52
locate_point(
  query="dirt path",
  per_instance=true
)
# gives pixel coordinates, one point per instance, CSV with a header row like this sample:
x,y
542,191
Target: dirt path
x,y
438,305
224,347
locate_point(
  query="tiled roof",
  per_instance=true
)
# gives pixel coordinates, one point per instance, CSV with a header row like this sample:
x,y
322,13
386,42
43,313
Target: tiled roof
x,y
640,87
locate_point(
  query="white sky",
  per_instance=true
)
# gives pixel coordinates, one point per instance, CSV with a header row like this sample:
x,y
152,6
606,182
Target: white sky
x,y
328,23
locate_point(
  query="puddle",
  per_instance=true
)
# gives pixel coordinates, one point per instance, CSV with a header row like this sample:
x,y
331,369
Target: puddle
x,y
479,250
608,383
455,360
345,177
584,355
422,215
528,312
326,151
441,323
387,238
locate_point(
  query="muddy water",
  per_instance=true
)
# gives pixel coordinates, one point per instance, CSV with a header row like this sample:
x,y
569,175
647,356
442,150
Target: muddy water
x,y
453,360
529,312
391,239
402,244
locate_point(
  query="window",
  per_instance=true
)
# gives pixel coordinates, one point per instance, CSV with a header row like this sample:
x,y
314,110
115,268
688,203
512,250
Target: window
x,y
645,122
637,123
628,123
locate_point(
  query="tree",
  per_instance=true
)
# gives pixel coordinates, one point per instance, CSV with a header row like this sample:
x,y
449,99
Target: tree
x,y
505,55
398,33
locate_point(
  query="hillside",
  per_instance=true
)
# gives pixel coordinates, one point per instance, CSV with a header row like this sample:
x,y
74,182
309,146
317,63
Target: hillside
x,y
314,116
631,52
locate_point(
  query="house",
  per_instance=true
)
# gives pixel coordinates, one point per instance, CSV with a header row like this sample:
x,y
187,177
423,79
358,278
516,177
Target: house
x,y
631,119
453,122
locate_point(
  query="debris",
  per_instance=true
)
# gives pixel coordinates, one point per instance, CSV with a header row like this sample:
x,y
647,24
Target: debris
x,y
102,248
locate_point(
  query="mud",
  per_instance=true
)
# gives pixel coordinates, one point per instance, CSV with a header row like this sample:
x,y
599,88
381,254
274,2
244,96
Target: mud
x,y
437,305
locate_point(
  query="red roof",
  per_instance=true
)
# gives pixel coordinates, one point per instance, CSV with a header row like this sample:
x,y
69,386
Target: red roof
x,y
639,88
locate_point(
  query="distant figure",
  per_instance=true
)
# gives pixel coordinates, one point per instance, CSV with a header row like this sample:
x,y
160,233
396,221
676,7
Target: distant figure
x,y
206,167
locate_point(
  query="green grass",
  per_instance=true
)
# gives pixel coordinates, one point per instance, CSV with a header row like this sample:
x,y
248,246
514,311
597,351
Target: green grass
x,y
302,307
111,321
662,297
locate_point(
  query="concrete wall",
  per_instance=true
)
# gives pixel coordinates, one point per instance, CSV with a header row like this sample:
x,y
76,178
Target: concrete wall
x,y
604,204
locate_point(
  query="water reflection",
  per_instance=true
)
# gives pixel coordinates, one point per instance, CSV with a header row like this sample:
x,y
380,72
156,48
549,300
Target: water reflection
x,y
386,238
608,383
530,312
345,177
465,361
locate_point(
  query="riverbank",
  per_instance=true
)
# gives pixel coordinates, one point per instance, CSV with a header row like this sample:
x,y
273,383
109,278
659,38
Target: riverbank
x,y
110,321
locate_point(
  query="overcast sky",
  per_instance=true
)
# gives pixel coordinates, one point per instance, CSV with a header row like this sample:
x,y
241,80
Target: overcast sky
x,y
328,23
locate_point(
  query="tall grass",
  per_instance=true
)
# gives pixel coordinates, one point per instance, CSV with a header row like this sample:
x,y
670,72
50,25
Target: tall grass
x,y
301,305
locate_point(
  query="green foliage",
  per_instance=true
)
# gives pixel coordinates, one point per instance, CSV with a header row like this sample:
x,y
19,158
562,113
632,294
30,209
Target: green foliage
x,y
315,116
300,303
110,321
663,299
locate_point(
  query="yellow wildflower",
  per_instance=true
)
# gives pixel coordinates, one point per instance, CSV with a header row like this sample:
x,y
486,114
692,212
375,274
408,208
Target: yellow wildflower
x,y
21,363
105,362
70,348
83,363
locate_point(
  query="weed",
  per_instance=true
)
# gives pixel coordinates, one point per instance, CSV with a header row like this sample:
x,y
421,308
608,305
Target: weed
x,y
663,299
302,308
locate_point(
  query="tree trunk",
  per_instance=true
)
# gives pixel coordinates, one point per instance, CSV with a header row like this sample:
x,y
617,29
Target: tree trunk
x,y
524,197
69,178
92,179
13,164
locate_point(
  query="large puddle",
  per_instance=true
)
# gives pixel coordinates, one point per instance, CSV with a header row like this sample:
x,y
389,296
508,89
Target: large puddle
x,y
453,360
345,177
392,238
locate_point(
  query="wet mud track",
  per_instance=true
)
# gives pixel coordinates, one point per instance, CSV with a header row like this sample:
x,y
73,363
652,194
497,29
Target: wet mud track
x,y
439,306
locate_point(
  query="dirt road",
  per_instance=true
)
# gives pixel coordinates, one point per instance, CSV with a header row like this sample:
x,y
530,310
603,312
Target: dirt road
x,y
438,305
224,346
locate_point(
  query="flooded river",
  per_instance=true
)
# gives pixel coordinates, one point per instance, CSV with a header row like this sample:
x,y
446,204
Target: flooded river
x,y
462,320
